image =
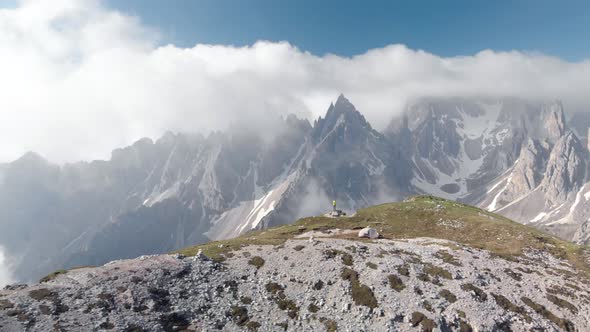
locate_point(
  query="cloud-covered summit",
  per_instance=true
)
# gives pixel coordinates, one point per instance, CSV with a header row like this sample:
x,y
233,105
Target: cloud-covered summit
x,y
80,79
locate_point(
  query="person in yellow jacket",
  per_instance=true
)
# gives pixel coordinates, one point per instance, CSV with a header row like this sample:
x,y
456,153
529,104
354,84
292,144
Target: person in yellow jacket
x,y
334,205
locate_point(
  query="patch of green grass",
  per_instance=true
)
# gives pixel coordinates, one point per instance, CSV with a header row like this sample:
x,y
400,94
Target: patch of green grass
x,y
239,314
351,249
505,304
318,285
418,217
281,300
361,294
514,275
42,294
403,270
273,288
52,275
313,308
477,292
446,257
465,327
447,295
5,304
246,300
574,287
437,271
542,310
372,265
298,247
288,305
563,291
396,283
283,325
420,318
562,303
423,277
331,325
347,259
256,261
418,291
252,326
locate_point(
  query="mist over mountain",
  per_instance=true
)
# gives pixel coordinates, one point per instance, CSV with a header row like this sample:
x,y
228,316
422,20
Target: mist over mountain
x,y
5,272
514,157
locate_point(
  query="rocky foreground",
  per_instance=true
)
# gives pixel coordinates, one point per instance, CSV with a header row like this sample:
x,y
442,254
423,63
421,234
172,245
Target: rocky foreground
x,y
312,283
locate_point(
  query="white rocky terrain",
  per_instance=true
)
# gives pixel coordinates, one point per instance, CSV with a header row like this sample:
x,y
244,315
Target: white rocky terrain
x,y
421,284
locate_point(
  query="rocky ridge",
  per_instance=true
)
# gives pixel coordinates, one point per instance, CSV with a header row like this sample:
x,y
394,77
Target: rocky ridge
x,y
440,266
420,284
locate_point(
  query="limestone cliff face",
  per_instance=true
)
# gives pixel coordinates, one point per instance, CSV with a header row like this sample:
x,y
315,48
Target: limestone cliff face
x,y
566,170
548,188
528,172
554,121
582,235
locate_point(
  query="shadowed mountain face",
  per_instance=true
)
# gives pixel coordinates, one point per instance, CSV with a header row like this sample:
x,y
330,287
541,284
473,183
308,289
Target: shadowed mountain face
x,y
510,156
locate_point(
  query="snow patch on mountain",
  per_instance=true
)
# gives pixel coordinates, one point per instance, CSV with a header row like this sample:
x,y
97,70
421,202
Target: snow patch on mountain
x,y
494,203
248,214
477,127
580,199
539,217
157,197
474,126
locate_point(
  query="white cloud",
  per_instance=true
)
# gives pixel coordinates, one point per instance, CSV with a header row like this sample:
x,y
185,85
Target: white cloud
x,y
5,274
78,79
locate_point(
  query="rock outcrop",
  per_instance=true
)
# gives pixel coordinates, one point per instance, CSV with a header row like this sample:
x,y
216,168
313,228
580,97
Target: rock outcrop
x,y
566,170
416,285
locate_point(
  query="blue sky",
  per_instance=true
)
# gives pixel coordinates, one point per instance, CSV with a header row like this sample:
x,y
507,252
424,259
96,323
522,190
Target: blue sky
x,y
445,28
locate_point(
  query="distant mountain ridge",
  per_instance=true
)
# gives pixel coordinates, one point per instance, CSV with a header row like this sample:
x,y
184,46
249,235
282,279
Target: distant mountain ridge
x,y
514,157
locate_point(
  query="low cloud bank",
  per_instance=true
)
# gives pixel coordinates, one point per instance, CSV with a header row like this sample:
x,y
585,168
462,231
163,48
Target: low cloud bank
x,y
5,274
79,79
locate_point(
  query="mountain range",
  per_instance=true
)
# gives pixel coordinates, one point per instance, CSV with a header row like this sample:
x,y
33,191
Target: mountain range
x,y
517,158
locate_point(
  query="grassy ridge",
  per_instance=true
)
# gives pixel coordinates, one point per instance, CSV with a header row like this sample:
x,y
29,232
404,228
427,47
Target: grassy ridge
x,y
420,216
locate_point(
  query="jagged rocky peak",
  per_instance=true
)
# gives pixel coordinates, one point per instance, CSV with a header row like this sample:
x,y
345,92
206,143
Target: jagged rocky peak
x,y
292,120
554,120
31,158
343,105
566,169
29,168
342,113
132,155
528,172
